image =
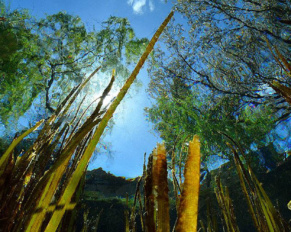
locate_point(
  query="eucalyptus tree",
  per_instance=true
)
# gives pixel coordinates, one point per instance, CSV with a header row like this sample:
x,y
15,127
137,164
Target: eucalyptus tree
x,y
225,67
55,53
224,47
181,111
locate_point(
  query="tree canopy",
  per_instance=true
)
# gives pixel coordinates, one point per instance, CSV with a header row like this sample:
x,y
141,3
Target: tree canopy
x,y
221,66
224,46
181,112
52,54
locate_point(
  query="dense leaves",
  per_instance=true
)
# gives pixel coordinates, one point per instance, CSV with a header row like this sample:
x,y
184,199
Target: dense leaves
x,y
18,52
179,117
215,78
51,55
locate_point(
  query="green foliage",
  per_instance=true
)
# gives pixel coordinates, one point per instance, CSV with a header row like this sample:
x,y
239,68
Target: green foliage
x,y
177,117
17,53
215,78
222,52
52,54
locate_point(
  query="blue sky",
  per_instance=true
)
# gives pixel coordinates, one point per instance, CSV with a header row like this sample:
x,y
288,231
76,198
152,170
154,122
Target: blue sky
x,y
132,135
144,15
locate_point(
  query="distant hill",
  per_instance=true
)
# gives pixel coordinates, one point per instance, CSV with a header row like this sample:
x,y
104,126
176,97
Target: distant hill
x,y
108,185
101,184
106,192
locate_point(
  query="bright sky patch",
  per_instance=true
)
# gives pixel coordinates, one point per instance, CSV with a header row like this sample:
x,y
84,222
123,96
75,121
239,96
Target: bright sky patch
x,y
139,5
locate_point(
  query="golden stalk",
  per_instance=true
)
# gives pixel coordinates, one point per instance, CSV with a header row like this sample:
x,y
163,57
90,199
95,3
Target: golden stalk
x,y
163,216
5,157
188,208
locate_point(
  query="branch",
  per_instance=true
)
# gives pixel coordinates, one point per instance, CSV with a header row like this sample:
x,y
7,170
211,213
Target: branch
x,y
49,84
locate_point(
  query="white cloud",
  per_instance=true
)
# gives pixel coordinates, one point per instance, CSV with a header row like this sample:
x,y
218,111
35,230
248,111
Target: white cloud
x,y
138,5
151,5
